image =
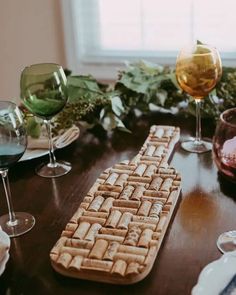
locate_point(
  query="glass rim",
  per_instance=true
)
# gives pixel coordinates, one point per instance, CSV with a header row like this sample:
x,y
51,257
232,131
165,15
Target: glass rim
x,y
223,117
191,47
25,71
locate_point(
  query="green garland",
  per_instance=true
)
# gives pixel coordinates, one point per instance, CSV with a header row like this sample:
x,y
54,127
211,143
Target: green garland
x,y
141,86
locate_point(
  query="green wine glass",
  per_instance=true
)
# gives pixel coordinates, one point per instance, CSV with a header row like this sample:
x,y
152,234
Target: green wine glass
x,y
13,142
44,94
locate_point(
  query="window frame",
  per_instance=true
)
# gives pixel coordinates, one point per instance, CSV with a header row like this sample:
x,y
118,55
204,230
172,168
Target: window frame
x,y
105,64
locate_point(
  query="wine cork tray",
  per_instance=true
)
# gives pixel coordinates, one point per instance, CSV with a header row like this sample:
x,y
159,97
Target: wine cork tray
x,y
116,233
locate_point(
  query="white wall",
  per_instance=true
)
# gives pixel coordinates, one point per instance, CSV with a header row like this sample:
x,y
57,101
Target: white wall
x,y
30,32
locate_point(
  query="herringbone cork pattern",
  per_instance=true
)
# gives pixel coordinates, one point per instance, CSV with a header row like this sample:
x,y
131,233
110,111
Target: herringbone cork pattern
x,y
116,233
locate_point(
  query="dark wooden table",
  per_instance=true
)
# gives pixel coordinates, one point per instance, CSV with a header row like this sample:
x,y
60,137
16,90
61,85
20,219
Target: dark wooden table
x,y
206,208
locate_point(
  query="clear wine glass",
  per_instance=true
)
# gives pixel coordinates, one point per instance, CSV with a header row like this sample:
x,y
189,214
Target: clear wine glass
x,y
224,155
13,141
198,69
44,93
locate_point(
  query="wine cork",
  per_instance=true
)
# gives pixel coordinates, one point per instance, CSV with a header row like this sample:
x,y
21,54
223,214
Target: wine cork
x,y
91,219
96,214
71,226
75,251
96,203
156,209
76,262
84,205
140,170
129,257
59,244
81,230
126,203
168,133
127,192
166,185
161,223
77,214
132,236
112,178
145,219
113,231
145,238
138,179
126,209
159,151
66,233
156,183
143,225
151,255
121,180
98,249
111,250
95,264
109,237
159,132
150,150
135,160
119,267
157,194
138,192
151,169
122,167
79,243
144,208
64,260
87,199
107,194
166,171
172,197
133,268
107,204
123,170
92,232
93,189
112,188
124,220
132,250
113,218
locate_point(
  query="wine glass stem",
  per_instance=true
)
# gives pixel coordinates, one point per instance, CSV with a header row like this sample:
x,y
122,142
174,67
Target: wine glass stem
x,y
52,157
12,218
198,121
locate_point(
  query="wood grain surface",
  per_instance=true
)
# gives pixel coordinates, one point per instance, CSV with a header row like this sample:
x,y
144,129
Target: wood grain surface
x,y
206,208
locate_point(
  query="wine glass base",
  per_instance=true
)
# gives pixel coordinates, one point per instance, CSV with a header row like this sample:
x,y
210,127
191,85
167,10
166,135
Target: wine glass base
x,y
227,241
50,171
23,223
194,146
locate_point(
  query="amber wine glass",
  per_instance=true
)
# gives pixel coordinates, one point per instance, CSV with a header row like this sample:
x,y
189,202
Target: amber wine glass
x,y
198,69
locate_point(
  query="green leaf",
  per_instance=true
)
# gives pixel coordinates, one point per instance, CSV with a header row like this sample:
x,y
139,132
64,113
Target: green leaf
x,y
117,106
33,128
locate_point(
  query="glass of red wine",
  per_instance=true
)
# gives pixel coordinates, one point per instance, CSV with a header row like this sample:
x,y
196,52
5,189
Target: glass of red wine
x,y
13,142
224,155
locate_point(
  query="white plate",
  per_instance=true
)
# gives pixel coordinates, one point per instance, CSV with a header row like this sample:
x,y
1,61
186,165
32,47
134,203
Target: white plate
x,y
4,262
33,154
215,276
36,153
5,240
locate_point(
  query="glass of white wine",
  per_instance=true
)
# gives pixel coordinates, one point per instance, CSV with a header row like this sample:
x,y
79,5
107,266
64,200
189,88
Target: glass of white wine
x,y
198,69
44,93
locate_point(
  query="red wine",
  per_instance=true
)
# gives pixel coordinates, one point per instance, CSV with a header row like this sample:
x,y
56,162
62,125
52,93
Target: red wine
x,y
226,165
10,153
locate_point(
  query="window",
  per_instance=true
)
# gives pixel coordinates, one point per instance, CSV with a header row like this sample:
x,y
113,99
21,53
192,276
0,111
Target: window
x,y
102,34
